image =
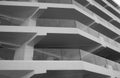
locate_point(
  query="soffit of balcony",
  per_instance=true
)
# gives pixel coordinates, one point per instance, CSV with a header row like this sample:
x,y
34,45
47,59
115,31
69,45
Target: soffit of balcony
x,y
19,13
16,38
83,2
68,74
13,73
66,41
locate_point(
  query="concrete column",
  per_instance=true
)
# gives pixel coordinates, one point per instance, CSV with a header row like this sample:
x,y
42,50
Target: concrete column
x,y
25,52
111,69
28,75
29,22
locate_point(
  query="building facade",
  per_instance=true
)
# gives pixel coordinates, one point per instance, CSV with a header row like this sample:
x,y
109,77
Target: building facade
x,y
59,39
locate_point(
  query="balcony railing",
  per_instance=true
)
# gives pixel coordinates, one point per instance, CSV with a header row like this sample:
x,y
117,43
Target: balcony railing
x,y
74,55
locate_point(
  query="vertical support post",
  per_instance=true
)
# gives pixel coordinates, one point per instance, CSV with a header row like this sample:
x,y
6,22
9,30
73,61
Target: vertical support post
x,y
25,52
29,22
28,75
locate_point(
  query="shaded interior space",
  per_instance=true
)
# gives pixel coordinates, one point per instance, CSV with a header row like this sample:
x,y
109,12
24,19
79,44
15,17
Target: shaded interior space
x,y
69,74
115,23
56,1
45,1
101,2
65,14
56,54
108,7
104,15
6,53
13,73
4,21
14,0
99,12
100,28
108,54
15,38
15,15
82,2
113,3
118,39
66,41
113,11
17,11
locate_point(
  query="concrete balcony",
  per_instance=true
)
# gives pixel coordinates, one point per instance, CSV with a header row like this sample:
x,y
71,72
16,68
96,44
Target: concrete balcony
x,y
72,60
26,69
81,37
90,19
101,10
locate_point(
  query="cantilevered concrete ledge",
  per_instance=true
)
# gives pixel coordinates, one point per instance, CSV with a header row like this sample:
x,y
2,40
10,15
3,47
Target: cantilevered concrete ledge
x,y
43,66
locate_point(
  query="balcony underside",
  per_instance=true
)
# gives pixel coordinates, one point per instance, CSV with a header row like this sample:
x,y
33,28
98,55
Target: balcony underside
x,y
17,38
15,15
66,41
17,11
13,73
69,74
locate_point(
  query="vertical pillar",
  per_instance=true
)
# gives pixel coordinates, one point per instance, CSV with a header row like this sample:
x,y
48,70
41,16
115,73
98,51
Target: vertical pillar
x,y
111,71
29,22
28,75
25,52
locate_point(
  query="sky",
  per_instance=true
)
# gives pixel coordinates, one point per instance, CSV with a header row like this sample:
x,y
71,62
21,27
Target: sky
x,y
117,1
